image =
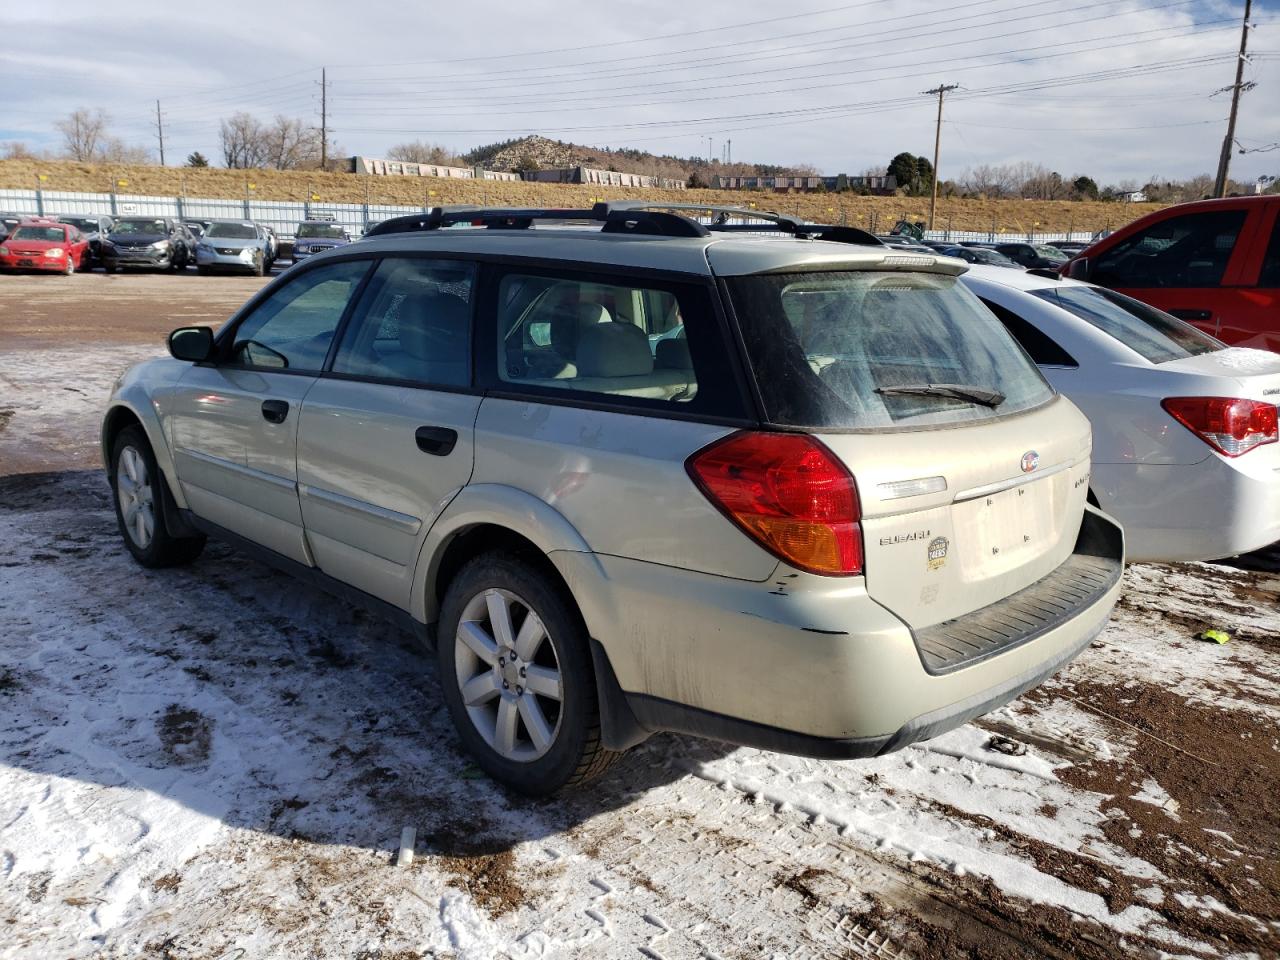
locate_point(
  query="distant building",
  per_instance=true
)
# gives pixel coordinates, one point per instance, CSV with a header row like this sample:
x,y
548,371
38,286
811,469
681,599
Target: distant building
x,y
877,185
403,168
1137,196
608,178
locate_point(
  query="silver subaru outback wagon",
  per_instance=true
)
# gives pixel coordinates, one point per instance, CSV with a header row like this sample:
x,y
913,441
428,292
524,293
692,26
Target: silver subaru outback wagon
x,y
629,473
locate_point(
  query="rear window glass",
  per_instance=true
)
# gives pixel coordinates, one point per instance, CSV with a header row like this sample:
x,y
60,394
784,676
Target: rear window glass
x,y
880,350
1151,333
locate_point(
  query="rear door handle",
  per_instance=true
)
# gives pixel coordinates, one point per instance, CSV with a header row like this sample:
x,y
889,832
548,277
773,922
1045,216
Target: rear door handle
x,y
1192,314
274,411
437,441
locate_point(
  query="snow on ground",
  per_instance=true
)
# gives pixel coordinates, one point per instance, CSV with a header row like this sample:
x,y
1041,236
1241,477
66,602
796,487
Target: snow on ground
x,y
217,762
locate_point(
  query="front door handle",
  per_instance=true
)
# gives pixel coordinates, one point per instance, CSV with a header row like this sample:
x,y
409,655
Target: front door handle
x,y
1192,314
437,441
274,411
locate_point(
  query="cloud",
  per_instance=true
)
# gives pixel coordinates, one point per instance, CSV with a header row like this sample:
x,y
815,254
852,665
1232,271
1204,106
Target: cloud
x,y
461,75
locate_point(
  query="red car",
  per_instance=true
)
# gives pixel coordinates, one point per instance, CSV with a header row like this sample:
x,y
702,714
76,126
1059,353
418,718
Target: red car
x,y
1214,263
44,245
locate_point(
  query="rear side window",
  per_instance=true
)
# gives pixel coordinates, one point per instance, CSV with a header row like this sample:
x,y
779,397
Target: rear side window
x,y
1151,333
1270,276
638,342
1191,250
1043,350
413,322
879,350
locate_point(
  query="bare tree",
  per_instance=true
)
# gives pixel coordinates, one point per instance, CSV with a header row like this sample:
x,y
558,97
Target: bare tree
x,y
291,144
420,151
244,142
83,132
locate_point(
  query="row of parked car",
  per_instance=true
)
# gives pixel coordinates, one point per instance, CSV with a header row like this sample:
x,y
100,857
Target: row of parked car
x,y
630,472
67,243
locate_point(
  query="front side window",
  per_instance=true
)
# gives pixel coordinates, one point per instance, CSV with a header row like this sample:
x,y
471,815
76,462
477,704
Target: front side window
x,y
1191,250
872,350
1151,333
620,339
292,329
413,323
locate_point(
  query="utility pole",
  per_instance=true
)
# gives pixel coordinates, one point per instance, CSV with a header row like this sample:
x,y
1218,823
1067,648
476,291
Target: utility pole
x,y
160,132
941,90
1224,159
324,121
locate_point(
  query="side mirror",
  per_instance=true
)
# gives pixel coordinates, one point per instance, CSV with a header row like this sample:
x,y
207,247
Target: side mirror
x,y
193,344
1079,268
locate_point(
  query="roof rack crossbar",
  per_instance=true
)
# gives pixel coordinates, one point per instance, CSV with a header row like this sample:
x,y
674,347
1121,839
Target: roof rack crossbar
x,y
647,222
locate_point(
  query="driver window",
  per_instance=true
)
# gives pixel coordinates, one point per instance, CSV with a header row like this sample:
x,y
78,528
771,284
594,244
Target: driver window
x,y
1191,250
293,327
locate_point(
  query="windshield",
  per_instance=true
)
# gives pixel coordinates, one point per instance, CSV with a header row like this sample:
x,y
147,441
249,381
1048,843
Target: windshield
x,y
1049,253
1151,333
878,350
87,224
53,234
232,231
140,226
990,256
328,230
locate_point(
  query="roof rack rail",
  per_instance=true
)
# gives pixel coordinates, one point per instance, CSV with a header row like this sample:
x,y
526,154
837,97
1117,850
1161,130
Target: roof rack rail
x,y
772,222
615,220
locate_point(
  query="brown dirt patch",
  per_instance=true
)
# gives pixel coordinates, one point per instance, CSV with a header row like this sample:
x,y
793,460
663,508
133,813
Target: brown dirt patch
x,y
483,868
185,734
1224,842
169,883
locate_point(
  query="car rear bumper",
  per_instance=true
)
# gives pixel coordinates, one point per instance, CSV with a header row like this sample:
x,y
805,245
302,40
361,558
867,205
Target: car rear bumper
x,y
811,665
1180,512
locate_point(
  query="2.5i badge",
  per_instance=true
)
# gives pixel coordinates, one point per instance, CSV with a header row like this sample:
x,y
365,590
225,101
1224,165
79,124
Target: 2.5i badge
x,y
938,552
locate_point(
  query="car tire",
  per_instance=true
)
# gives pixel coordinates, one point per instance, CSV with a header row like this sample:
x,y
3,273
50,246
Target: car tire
x,y
259,267
203,271
549,743
137,489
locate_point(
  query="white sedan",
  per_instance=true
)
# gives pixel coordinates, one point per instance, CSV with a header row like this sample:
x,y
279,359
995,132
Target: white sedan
x,y
1185,451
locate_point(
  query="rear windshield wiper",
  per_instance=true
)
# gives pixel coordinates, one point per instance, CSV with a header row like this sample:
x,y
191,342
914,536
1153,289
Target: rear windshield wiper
x,y
957,391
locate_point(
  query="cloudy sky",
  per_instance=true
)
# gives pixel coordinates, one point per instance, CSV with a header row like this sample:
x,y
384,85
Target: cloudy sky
x,y
1118,89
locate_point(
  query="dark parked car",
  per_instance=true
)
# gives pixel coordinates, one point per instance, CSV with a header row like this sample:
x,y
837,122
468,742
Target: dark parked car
x,y
158,242
1033,254
983,255
1070,247
94,228
8,221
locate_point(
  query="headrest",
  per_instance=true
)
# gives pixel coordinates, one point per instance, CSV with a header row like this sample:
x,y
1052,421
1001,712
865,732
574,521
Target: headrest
x,y
433,326
568,323
673,355
614,350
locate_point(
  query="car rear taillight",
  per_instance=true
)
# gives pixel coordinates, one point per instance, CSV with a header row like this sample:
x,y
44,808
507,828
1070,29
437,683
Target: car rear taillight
x,y
788,492
1229,425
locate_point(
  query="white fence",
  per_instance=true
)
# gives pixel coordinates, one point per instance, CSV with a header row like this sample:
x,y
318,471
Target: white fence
x,y
283,217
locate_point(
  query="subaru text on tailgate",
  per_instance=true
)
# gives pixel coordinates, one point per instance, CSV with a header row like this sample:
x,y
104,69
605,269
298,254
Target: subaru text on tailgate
x,y
629,474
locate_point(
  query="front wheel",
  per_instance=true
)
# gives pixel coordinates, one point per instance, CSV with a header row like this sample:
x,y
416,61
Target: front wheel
x,y
136,484
517,676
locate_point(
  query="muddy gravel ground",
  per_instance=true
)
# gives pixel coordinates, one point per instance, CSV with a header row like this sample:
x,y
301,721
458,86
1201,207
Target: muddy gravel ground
x,y
217,761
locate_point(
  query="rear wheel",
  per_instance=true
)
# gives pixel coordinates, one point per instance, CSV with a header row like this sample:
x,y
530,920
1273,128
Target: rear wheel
x,y
517,676
136,484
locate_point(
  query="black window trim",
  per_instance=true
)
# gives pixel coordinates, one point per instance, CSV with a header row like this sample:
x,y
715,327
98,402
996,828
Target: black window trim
x,y
998,308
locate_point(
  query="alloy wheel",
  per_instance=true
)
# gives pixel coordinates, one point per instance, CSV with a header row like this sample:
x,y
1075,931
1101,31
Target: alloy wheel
x,y
508,673
137,506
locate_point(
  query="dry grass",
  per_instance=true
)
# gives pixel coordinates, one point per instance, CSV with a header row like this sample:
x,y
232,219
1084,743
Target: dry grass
x,y
1014,216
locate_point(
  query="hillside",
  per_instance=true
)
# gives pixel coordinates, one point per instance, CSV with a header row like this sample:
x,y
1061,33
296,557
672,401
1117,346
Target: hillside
x,y
1014,216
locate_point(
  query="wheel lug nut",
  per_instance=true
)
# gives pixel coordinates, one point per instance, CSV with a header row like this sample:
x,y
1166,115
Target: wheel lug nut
x,y
502,661
505,685
524,672
519,690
